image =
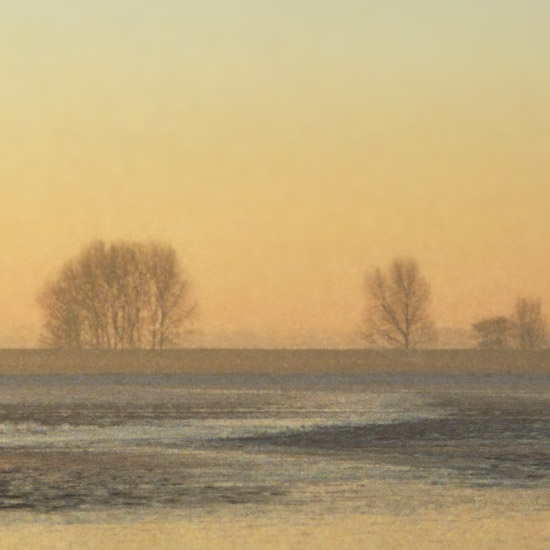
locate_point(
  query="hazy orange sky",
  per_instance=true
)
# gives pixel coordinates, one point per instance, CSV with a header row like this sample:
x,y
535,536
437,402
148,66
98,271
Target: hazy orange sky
x,y
283,148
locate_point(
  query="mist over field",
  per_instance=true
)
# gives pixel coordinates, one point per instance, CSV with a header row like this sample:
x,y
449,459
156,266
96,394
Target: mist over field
x,y
284,151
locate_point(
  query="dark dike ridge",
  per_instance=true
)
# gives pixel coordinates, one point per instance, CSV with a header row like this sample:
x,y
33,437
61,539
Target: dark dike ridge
x,y
267,361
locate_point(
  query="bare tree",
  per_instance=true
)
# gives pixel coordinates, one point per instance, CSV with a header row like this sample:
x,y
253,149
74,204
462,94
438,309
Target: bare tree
x,y
493,332
530,324
397,306
117,296
63,322
168,289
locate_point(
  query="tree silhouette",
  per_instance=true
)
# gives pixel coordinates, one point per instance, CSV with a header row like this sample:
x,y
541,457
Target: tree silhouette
x,y
493,332
117,296
397,306
530,323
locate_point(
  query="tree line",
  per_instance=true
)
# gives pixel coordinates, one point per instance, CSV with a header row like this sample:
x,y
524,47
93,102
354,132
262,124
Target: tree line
x,y
524,328
125,295
397,314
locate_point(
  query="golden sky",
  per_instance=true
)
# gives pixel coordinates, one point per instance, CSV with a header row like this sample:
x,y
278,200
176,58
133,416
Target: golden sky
x,y
283,148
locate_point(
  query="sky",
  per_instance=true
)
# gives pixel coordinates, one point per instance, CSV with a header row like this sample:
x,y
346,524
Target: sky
x,y
284,149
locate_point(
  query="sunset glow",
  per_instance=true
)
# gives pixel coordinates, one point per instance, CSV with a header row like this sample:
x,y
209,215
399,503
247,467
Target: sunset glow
x,y
283,149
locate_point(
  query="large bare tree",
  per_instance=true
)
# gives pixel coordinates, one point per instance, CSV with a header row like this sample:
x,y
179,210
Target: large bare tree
x,y
117,296
397,306
530,324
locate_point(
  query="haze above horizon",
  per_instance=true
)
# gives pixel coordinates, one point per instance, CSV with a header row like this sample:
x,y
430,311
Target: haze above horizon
x,y
283,149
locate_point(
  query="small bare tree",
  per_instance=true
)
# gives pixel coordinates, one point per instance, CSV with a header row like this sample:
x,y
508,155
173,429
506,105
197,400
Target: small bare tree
x,y
530,324
397,306
117,296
